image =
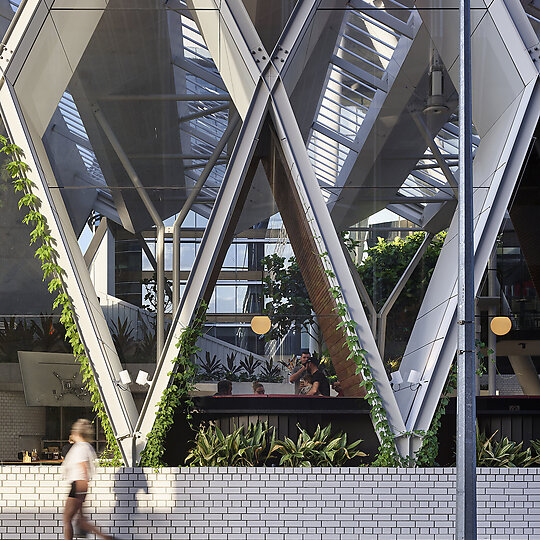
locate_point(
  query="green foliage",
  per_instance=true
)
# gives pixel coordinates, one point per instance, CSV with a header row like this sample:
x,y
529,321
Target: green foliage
x,y
147,346
232,369
270,372
16,335
250,365
318,451
504,453
288,303
242,448
387,456
380,271
483,355
427,454
256,446
177,394
535,445
211,367
150,297
124,342
53,273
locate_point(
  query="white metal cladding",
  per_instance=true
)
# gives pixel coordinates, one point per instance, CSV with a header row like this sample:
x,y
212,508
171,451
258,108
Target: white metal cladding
x,y
359,57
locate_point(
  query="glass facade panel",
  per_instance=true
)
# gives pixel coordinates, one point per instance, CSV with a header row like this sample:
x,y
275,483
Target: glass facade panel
x,y
131,107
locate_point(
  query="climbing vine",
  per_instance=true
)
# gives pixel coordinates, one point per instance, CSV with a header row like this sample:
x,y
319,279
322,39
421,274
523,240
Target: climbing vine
x,y
54,273
388,455
427,454
177,394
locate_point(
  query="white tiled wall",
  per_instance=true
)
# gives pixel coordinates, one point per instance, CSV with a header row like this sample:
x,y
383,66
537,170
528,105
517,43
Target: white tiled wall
x,y
271,503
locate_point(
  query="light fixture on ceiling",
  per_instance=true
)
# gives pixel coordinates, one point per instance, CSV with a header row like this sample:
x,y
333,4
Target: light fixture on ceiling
x,y
436,101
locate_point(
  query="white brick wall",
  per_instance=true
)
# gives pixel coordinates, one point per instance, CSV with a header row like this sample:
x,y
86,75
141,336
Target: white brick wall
x,y
18,420
272,503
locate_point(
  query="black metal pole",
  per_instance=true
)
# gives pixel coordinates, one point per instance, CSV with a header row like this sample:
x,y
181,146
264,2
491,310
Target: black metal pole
x,y
466,388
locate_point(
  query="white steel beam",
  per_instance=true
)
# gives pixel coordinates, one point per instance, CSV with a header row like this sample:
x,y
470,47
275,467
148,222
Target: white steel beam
x,y
270,91
498,159
89,317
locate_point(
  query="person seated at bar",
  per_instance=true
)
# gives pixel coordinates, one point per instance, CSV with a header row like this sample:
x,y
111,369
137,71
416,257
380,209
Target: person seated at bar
x,y
258,388
224,388
299,370
320,385
306,383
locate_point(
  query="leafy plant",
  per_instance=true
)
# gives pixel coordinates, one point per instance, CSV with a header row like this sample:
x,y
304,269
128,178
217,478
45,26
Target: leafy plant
x,y
48,335
427,454
535,445
318,451
232,369
256,446
242,448
123,339
250,365
147,346
150,297
15,335
503,453
270,372
388,455
290,364
484,355
287,299
177,394
380,271
211,366
54,274
325,362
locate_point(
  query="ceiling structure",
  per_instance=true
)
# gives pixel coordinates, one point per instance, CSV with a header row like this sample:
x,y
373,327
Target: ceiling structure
x,y
361,96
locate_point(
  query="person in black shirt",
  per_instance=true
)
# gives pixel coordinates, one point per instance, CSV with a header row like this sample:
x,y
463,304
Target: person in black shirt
x,y
320,382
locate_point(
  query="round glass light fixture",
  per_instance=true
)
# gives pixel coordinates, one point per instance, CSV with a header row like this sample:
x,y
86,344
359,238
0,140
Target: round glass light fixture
x,y
260,324
501,325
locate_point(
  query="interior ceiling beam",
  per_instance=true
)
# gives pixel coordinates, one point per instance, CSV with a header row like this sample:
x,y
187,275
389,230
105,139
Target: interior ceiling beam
x,y
202,165
198,71
337,137
384,17
430,141
359,73
426,166
171,156
166,97
205,112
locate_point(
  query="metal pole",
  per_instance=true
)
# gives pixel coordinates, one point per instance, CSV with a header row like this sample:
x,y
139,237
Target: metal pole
x,y
492,340
188,204
156,218
466,398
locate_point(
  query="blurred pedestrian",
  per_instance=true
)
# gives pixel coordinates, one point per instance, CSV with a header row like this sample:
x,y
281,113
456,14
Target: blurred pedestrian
x,y
78,468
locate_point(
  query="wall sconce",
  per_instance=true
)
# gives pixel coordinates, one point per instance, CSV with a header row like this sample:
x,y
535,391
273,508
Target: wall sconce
x,y
142,378
125,379
414,379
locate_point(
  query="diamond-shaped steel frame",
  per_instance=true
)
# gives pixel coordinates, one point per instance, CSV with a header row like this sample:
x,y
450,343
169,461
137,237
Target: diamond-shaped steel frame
x,y
258,84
